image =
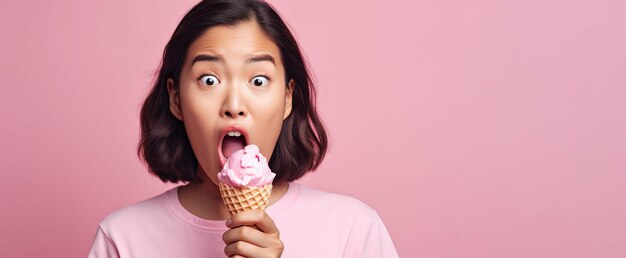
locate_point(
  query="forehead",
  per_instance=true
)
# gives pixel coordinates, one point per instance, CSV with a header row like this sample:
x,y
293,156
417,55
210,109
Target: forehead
x,y
234,42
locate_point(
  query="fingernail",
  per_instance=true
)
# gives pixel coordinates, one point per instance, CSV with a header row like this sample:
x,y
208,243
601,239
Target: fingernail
x,y
228,222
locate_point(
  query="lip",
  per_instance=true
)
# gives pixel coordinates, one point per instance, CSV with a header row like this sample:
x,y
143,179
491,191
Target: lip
x,y
223,132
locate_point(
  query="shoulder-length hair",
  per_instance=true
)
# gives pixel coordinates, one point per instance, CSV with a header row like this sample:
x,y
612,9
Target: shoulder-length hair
x,y
164,144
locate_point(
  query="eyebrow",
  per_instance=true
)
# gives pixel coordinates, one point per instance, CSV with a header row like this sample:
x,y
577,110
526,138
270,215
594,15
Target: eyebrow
x,y
219,59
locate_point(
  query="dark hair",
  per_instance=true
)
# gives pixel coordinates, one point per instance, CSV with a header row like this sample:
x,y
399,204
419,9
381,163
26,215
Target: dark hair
x,y
164,144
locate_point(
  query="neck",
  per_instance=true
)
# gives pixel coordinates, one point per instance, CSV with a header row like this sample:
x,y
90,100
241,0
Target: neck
x,y
204,199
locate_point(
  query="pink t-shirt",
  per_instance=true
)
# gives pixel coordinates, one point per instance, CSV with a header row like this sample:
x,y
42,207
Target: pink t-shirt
x,y
311,223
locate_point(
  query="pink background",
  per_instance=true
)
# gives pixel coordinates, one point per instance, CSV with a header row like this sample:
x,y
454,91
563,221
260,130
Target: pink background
x,y
475,128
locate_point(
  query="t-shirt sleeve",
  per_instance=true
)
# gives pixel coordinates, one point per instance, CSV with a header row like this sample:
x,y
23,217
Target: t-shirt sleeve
x,y
370,239
102,246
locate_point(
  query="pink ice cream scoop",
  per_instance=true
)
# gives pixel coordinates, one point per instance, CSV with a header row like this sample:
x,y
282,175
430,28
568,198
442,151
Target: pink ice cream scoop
x,y
246,167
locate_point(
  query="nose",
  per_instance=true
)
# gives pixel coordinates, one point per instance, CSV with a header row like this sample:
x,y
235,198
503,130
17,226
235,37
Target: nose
x,y
229,114
233,106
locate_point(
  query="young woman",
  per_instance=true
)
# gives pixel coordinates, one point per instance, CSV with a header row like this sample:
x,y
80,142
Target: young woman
x,y
234,66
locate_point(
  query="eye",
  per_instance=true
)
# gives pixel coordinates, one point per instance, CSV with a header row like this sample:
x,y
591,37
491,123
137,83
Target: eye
x,y
260,80
209,80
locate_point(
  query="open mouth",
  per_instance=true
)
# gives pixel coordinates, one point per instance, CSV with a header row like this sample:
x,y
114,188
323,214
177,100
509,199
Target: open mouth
x,y
232,141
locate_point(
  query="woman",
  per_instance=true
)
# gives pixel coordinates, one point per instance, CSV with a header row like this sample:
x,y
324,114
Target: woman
x,y
233,67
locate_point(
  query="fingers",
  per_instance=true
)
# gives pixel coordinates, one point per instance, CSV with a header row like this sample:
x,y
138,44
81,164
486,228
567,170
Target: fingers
x,y
252,234
245,249
254,217
242,249
247,234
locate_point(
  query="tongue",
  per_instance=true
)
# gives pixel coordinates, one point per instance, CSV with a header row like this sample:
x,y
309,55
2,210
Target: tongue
x,y
232,144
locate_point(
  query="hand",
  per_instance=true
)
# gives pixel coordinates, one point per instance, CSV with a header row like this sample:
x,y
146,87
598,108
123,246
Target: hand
x,y
252,234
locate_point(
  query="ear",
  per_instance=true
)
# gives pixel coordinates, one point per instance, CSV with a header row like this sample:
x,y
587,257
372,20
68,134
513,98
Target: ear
x,y
288,98
174,99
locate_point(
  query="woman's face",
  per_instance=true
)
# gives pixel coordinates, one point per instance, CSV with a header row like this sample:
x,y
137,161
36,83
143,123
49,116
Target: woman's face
x,y
233,81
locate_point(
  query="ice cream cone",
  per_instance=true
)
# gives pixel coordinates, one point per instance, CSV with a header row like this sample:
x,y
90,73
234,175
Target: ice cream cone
x,y
239,199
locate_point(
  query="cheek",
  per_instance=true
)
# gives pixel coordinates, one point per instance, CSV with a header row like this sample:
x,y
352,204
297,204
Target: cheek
x,y
197,118
201,130
269,121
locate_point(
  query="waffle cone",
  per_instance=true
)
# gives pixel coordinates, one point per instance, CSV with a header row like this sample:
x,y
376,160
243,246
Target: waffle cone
x,y
239,199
